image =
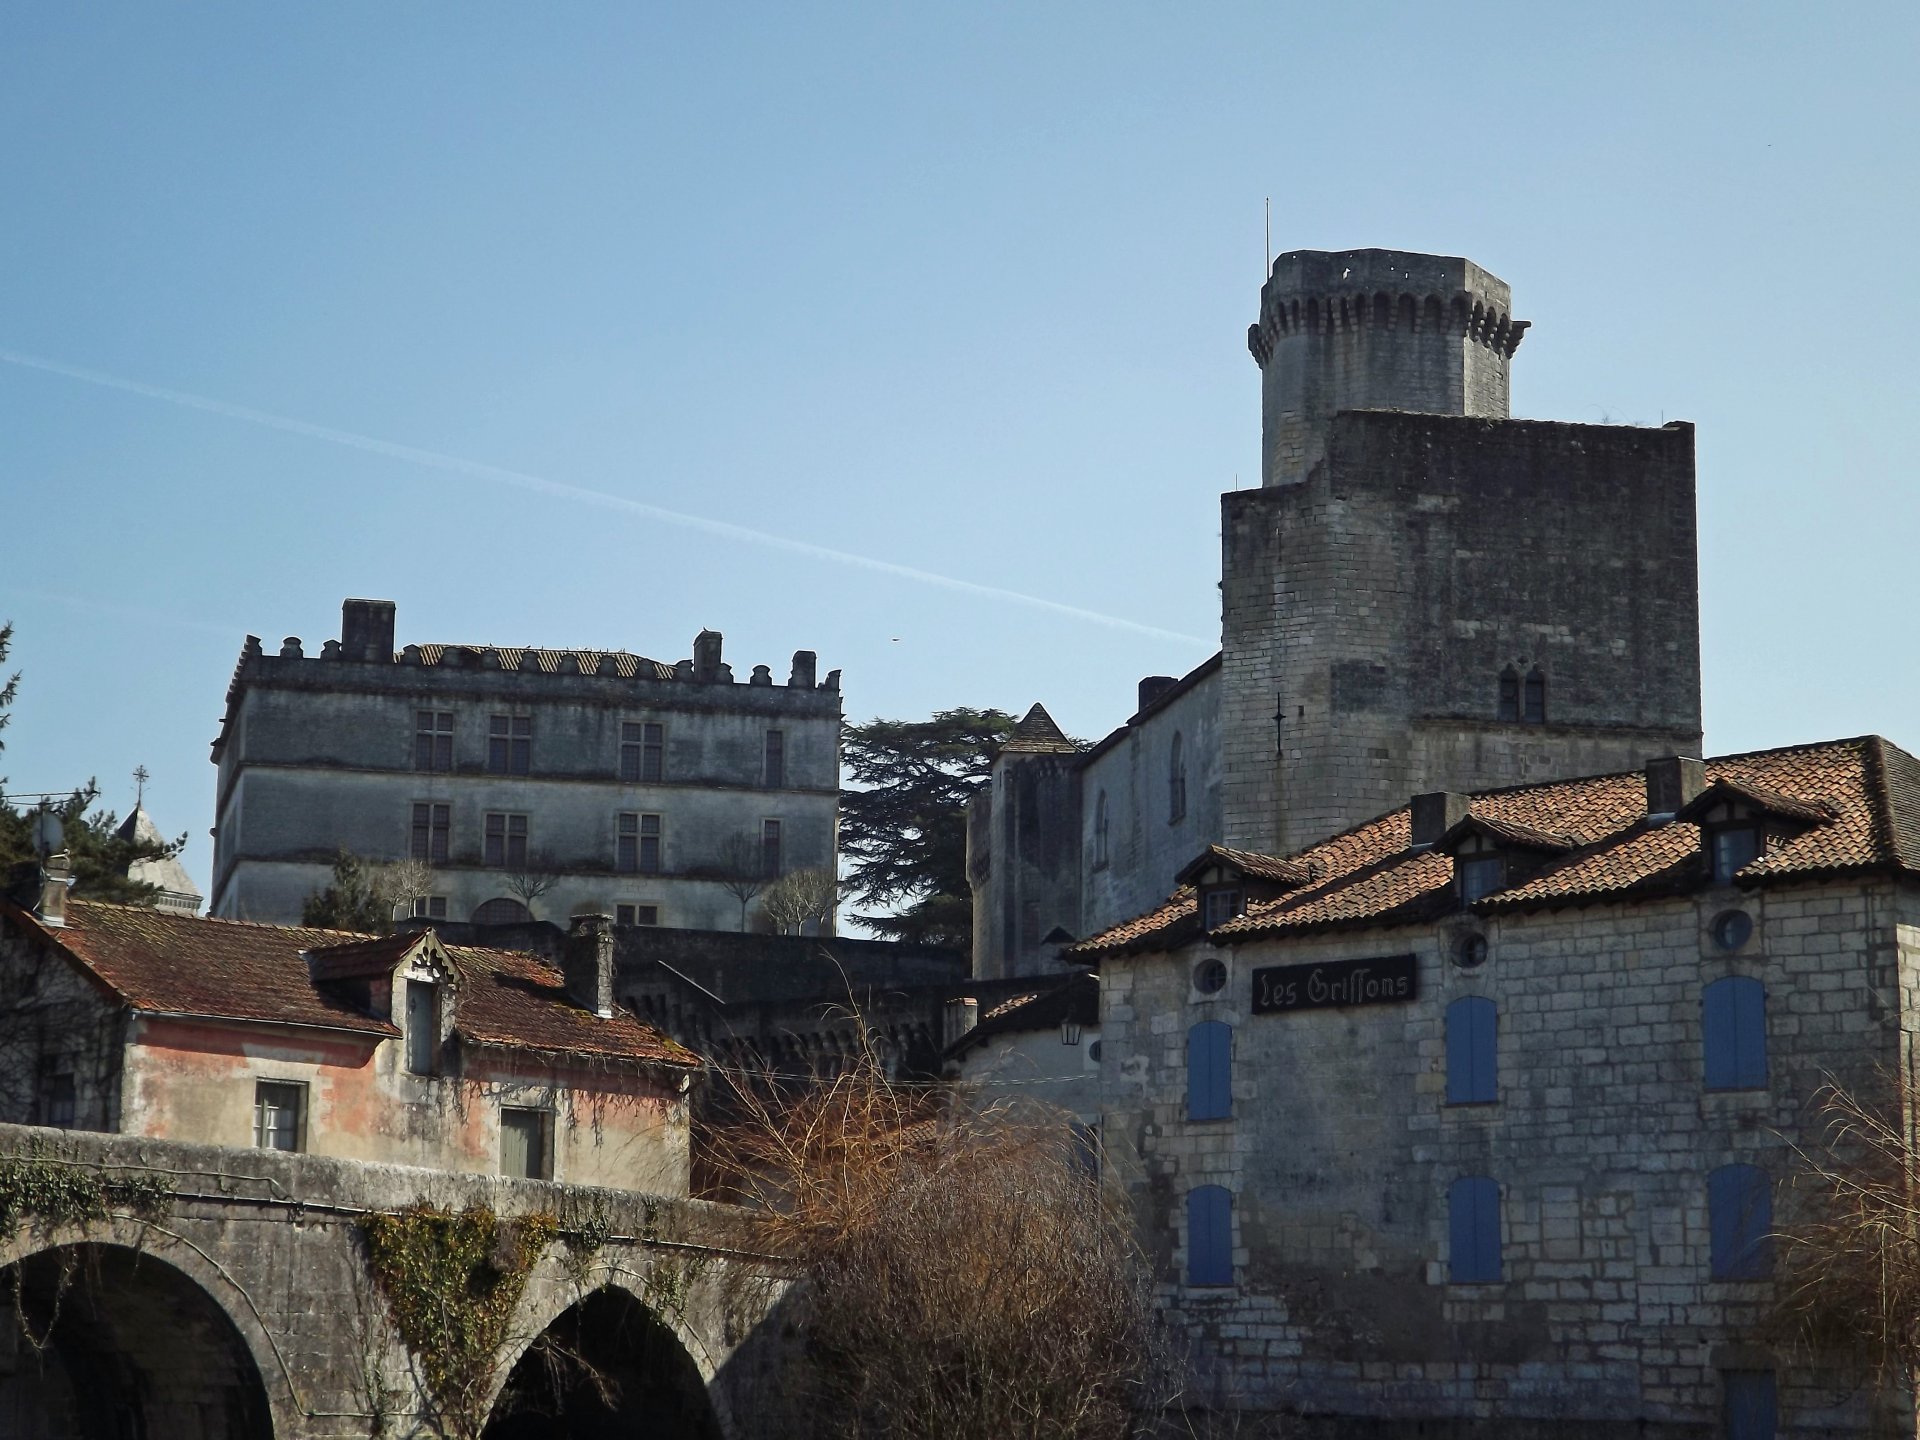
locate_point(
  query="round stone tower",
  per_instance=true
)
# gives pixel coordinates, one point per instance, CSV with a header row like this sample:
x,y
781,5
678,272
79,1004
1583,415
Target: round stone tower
x,y
1375,330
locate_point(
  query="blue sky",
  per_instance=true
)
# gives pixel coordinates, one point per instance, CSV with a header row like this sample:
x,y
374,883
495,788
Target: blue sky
x,y
959,288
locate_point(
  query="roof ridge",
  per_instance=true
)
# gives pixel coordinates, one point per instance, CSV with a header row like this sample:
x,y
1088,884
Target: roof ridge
x,y
217,919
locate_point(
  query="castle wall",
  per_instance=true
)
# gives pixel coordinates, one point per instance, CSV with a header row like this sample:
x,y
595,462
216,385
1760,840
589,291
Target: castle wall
x,y
1024,847
1369,614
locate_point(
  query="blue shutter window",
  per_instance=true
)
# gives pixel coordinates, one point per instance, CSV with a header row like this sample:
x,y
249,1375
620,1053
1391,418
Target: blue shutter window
x,y
1473,1231
1733,1032
1209,1236
1210,1071
1753,1409
1740,1219
1472,1068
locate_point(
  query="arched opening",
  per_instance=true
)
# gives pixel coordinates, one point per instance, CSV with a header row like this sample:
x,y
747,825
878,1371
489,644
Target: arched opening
x,y
607,1367
501,910
108,1343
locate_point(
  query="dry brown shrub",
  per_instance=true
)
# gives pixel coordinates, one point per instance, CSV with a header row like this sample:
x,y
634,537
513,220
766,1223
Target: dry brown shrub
x,y
964,1273
1849,1277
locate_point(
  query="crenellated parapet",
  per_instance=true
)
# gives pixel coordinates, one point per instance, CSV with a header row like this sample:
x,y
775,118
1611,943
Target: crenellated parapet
x,y
1462,315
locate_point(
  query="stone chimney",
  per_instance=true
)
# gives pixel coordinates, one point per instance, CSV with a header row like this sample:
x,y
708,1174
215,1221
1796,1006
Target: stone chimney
x,y
588,963
804,664
56,875
366,630
1673,780
1435,813
958,1017
1152,687
706,655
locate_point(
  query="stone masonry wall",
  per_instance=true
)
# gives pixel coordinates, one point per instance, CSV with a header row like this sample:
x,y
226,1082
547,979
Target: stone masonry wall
x,y
1342,1145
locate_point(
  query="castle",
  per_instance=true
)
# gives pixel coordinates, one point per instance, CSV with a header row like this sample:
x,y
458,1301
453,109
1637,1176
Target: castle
x,y
1424,594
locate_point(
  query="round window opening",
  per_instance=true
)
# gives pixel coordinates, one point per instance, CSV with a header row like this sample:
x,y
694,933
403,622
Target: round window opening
x,y
1469,951
1731,929
1210,976
1093,1052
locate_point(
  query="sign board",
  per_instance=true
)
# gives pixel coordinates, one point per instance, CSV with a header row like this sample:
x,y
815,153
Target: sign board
x,y
1337,984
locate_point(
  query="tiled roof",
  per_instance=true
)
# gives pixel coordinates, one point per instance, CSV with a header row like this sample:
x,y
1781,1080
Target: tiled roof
x,y
1865,793
547,662
1512,832
1729,787
1261,867
1036,734
173,964
1076,998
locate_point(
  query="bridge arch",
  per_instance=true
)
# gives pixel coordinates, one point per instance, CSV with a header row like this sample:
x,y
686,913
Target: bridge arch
x,y
607,1364
109,1339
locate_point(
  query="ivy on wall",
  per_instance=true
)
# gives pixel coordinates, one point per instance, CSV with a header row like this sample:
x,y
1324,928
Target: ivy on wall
x,y
54,1192
452,1281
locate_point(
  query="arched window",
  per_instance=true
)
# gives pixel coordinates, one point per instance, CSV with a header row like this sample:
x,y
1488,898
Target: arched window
x,y
1473,1231
1210,1071
1733,1033
1509,694
1209,1235
1176,781
1472,1074
1536,707
501,911
1100,831
1740,1222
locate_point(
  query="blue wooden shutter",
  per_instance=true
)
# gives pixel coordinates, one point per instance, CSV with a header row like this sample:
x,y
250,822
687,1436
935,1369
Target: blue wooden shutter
x,y
1734,1034
1209,1236
1740,1222
1472,1066
1473,1231
1210,1071
1753,1411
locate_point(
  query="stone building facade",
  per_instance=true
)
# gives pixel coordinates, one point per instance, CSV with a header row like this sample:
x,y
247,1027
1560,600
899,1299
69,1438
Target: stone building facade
x,y
1481,1117
1422,594
627,786
397,1049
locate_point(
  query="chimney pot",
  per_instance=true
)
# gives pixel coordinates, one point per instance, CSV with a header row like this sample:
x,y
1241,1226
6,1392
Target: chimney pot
x,y
366,630
1435,813
706,655
802,675
1672,781
587,963
1152,687
56,875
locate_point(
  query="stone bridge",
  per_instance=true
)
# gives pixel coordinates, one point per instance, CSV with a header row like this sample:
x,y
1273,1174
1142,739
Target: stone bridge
x,y
230,1294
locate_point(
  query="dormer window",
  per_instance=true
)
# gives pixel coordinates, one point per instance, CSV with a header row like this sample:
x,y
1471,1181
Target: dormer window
x,y
1221,903
1480,876
1734,847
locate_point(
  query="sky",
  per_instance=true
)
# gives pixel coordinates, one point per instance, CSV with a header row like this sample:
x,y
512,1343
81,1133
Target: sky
x,y
910,334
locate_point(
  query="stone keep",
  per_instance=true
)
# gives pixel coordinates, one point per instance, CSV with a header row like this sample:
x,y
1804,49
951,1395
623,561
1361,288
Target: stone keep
x,y
1425,594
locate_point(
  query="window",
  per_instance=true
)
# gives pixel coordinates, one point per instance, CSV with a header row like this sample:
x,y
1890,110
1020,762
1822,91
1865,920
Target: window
x,y
1473,1231
1222,905
277,1112
642,751
1536,706
1731,929
1210,976
636,914
1210,1071
506,841
423,1026
1740,1223
1752,1406
56,1105
770,849
626,843
432,825
776,761
1471,1054
1209,1235
523,1143
1734,848
1509,694
509,744
1733,1033
433,740
430,907
1480,876
1176,781
501,910
1100,831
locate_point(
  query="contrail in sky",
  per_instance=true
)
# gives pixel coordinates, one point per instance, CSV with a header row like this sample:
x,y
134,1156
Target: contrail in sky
x,y
562,491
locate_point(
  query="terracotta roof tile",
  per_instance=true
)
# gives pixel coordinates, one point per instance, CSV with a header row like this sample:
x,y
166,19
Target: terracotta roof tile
x,y
547,662
1076,998
167,963
1261,867
1864,793
1036,734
